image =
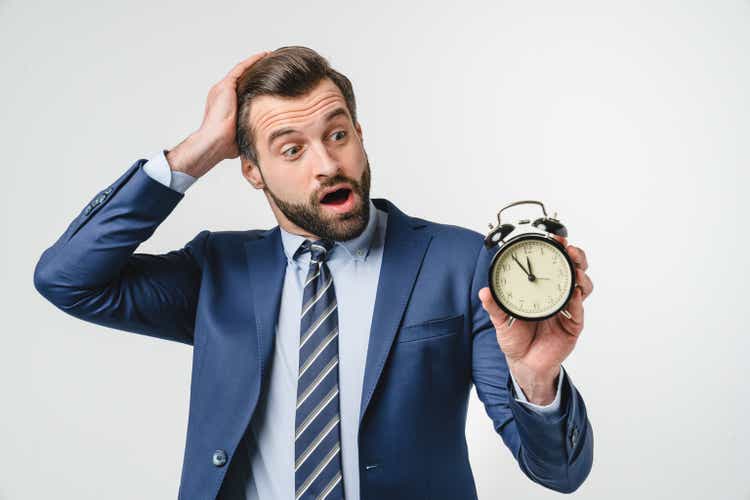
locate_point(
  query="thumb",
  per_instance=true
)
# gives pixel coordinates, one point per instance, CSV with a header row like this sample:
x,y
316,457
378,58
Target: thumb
x,y
488,302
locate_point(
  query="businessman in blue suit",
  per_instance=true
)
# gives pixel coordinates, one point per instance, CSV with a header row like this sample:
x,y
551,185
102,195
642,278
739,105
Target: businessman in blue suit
x,y
333,354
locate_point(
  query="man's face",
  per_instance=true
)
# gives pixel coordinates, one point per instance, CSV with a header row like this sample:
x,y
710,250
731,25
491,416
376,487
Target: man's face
x,y
306,146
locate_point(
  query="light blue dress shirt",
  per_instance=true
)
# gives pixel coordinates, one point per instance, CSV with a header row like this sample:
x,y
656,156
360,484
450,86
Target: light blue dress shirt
x,y
355,267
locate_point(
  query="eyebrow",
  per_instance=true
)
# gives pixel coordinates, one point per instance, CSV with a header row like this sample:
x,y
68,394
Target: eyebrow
x,y
285,131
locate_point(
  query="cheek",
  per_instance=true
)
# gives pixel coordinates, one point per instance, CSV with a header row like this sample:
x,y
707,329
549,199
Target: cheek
x,y
289,184
354,162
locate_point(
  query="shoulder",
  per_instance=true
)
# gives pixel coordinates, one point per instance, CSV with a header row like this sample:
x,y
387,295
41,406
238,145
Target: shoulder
x,y
448,237
229,241
232,237
453,238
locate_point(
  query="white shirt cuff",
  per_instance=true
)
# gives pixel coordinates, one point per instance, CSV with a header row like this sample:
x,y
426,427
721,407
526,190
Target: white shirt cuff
x,y
158,169
540,409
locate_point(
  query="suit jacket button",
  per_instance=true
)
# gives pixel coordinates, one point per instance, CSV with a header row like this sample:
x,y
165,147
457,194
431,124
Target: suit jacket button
x,y
220,458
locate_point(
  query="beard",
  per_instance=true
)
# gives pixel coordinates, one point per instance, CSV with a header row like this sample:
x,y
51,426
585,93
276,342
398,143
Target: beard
x,y
338,227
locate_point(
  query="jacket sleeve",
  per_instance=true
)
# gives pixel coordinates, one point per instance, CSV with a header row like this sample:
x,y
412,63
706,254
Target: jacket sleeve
x,y
91,272
553,450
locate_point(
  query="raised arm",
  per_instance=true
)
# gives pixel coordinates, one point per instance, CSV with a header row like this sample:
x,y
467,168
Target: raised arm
x,y
92,272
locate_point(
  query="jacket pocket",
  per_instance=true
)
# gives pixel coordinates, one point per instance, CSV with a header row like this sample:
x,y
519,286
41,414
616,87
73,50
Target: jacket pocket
x,y
433,328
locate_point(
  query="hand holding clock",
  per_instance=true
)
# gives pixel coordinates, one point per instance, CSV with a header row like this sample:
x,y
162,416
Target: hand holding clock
x,y
534,350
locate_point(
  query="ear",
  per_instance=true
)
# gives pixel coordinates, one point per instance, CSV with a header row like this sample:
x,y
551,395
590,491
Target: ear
x,y
251,172
358,128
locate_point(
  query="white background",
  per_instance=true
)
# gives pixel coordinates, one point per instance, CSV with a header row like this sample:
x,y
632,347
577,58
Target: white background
x,y
630,119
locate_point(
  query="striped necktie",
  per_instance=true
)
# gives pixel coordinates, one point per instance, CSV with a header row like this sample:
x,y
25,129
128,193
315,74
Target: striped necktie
x,y
318,473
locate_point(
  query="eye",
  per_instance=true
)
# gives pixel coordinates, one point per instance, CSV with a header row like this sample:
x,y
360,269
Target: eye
x,y
340,132
288,150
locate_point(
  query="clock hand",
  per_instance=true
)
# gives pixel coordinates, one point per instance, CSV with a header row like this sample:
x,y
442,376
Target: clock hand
x,y
531,273
521,265
528,274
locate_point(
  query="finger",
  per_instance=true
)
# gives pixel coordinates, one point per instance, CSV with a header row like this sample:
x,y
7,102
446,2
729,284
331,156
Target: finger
x,y
561,239
489,304
583,280
578,256
241,66
574,325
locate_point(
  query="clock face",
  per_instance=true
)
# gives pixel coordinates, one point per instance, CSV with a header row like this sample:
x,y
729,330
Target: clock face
x,y
531,278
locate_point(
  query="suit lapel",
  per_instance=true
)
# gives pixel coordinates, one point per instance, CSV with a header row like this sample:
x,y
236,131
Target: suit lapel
x,y
403,252
266,265
404,248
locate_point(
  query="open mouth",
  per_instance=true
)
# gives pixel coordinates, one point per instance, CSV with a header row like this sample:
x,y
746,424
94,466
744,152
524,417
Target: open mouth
x,y
338,197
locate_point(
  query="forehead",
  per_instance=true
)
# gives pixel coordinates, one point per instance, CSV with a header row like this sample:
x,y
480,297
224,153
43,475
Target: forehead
x,y
269,113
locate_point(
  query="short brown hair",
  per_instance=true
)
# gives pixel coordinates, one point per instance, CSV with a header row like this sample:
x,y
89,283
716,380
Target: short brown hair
x,y
287,72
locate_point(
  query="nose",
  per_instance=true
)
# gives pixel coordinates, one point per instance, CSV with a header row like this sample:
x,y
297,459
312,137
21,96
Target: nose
x,y
325,163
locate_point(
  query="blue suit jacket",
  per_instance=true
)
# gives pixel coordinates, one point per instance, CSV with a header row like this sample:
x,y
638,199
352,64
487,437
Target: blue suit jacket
x,y
430,340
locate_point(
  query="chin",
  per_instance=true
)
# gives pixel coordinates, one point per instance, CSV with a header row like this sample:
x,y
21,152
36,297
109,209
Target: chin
x,y
346,226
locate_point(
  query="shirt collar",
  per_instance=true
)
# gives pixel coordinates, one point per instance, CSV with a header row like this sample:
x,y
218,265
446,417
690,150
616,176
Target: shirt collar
x,y
357,248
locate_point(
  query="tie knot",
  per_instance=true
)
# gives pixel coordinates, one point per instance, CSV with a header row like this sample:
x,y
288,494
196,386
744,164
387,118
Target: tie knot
x,y
318,249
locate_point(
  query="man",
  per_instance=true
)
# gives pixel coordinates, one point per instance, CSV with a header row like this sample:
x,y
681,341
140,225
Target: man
x,y
334,353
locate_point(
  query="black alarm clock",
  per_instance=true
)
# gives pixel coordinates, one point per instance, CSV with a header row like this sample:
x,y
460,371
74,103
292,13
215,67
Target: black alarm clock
x,y
531,276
